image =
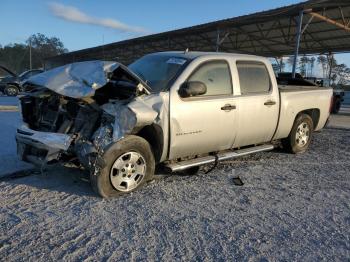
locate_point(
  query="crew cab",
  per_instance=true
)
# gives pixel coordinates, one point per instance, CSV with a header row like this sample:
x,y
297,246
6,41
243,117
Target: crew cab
x,y
178,109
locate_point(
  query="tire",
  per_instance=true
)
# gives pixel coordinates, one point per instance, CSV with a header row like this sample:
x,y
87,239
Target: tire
x,y
336,105
127,165
11,90
300,136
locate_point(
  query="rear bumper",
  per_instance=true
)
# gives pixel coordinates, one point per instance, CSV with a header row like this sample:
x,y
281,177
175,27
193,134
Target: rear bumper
x,y
40,147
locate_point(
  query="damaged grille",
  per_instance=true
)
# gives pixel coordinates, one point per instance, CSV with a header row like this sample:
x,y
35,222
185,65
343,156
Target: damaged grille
x,y
49,112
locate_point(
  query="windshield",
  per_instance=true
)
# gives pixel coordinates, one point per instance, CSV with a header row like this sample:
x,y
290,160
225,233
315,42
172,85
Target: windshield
x,y
158,70
24,73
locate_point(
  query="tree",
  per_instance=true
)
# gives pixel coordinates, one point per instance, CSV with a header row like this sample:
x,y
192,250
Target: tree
x,y
322,60
43,47
282,64
331,63
278,65
304,60
312,65
341,73
16,56
290,61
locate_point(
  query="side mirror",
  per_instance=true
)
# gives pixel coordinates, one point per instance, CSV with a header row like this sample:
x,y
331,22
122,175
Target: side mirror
x,y
192,88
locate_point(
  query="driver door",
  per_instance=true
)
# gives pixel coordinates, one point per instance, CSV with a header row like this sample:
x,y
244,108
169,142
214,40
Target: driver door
x,y
204,123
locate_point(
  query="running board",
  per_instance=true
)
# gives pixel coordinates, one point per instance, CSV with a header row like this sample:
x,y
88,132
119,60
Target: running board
x,y
179,166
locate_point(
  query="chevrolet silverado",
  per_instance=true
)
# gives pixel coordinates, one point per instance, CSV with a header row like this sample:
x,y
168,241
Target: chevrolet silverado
x,y
178,109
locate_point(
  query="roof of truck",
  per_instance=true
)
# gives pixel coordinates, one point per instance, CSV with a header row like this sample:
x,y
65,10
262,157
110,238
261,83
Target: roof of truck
x,y
195,54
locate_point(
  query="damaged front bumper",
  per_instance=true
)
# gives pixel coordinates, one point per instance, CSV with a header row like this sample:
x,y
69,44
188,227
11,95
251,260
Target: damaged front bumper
x,y
40,148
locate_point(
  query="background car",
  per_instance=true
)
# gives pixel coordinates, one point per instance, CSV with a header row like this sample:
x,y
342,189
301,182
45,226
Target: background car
x,y
10,83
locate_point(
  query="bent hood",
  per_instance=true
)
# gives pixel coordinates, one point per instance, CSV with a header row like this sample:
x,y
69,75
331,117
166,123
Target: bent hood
x,y
82,79
8,71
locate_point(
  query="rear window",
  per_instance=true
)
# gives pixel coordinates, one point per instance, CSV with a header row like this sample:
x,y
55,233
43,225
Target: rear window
x,y
253,77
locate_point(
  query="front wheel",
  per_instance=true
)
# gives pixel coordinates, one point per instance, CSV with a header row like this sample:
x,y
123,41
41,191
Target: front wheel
x,y
300,136
128,164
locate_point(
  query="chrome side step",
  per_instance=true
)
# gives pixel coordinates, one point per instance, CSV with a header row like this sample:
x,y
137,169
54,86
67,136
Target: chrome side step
x,y
221,156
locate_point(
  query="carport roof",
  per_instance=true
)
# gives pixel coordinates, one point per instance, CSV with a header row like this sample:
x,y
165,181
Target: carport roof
x,y
272,33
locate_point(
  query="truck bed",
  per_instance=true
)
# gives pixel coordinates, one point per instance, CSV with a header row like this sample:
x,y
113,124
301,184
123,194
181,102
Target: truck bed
x,y
295,99
292,88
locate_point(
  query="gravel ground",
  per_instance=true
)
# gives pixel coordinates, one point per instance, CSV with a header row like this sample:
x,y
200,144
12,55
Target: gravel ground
x,y
292,207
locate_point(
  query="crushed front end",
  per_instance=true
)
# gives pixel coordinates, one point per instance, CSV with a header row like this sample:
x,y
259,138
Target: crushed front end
x,y
53,125
68,117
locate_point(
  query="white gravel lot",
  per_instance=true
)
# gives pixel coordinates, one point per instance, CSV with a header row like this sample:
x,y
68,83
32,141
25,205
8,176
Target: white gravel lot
x,y
292,207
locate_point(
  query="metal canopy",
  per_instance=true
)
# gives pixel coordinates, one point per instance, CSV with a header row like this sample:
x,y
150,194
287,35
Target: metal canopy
x,y
324,27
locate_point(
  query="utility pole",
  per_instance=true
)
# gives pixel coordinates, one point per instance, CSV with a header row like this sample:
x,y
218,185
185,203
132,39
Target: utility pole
x,y
217,46
297,42
330,62
30,54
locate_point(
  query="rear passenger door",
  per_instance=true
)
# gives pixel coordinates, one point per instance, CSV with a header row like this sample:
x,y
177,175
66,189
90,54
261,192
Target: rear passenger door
x,y
258,103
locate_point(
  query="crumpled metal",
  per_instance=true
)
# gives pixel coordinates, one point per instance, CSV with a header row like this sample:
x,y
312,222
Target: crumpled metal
x,y
103,137
76,80
124,118
142,111
52,140
125,122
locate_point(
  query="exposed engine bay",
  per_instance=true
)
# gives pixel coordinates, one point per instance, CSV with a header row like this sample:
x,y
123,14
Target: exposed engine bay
x,y
78,123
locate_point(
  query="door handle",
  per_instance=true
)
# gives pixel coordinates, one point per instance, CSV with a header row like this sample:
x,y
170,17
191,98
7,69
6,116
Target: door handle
x,y
269,103
228,107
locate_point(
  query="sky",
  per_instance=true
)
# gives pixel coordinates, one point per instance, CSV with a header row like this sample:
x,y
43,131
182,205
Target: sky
x,y
83,24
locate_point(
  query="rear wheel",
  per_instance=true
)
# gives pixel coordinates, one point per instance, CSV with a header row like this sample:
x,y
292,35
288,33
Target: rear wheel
x,y
300,136
129,164
11,90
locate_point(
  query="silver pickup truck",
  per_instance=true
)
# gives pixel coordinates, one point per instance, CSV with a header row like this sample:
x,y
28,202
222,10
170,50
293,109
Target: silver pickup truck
x,y
178,109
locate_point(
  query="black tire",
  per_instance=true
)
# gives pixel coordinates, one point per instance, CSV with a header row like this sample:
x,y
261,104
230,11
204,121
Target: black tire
x,y
336,105
101,181
293,144
11,90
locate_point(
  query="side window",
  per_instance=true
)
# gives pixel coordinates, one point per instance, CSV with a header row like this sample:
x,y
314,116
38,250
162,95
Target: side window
x,y
216,76
253,77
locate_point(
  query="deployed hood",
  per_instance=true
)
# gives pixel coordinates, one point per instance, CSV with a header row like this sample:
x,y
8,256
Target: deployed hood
x,y
9,78
8,71
82,79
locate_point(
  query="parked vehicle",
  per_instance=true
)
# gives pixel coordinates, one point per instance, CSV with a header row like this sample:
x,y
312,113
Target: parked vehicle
x,y
11,83
338,94
178,109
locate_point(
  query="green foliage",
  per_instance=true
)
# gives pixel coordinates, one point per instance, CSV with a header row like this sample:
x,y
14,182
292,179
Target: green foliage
x,y
303,62
16,56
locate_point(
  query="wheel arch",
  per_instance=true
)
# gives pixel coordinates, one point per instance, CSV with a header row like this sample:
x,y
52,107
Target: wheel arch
x,y
13,84
153,134
314,113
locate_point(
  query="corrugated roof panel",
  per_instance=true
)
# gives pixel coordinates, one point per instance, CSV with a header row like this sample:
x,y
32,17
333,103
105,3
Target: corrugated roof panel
x,y
268,33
